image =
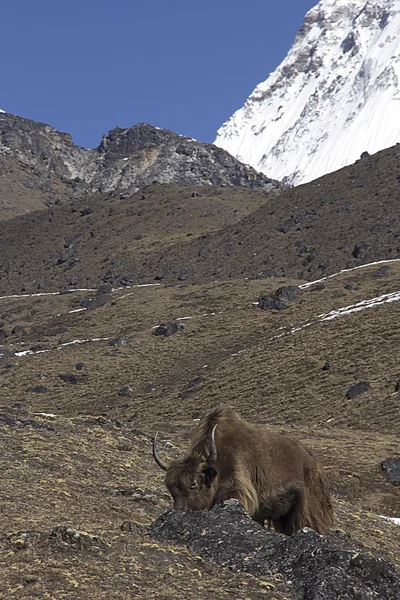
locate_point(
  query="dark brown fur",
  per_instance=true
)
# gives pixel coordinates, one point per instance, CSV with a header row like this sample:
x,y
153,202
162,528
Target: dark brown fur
x,y
273,476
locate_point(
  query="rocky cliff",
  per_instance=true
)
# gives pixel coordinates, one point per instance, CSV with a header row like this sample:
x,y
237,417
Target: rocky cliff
x,y
126,159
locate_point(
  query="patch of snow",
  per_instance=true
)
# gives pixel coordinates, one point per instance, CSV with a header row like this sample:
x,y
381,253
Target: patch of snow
x,y
47,293
372,303
395,520
340,312
26,352
101,339
378,262
63,345
43,414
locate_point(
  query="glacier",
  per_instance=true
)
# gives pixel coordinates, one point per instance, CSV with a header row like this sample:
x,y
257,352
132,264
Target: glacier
x,y
334,96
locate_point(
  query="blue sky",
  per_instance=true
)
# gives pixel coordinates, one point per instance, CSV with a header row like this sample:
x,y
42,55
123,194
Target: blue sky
x,y
86,66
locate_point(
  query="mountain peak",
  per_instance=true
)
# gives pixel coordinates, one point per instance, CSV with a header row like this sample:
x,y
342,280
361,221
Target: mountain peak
x,y
334,96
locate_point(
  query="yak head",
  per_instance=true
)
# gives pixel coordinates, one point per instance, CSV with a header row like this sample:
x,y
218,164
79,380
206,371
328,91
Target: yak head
x,y
190,480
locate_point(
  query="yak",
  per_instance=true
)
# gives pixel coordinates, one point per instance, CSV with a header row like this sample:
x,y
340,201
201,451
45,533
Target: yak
x,y
274,477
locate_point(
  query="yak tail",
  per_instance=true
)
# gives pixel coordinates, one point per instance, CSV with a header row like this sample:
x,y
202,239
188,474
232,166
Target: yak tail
x,y
317,510
321,503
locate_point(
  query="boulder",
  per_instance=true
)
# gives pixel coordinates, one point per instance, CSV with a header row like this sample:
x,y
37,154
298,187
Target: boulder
x,y
391,469
358,388
317,567
167,329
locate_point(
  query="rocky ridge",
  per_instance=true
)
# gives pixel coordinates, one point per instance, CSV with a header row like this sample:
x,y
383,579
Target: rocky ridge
x,y
126,159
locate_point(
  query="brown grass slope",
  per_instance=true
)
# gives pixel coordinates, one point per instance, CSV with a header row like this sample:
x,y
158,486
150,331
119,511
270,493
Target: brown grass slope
x,y
92,473
267,364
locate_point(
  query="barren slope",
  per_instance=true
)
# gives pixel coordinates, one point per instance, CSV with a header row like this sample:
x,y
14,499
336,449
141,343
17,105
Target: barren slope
x,y
171,233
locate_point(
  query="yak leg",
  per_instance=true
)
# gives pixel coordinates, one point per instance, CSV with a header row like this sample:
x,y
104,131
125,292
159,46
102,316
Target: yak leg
x,y
291,518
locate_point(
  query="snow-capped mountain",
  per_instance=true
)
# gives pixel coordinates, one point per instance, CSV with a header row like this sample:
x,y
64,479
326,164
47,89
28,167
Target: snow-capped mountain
x,y
334,96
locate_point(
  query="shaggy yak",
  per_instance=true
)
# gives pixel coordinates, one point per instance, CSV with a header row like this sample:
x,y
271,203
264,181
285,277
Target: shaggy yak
x,y
274,477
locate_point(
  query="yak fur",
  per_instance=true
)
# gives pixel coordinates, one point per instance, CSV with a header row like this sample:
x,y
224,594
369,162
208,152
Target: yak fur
x,y
274,477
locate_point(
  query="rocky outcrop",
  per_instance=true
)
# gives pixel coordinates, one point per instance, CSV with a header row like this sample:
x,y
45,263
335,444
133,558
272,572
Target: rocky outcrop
x,y
317,567
126,159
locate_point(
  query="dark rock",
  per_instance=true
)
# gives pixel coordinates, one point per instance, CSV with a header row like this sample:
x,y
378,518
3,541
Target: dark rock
x,y
40,347
381,272
358,388
71,378
86,211
159,276
104,289
125,282
286,226
126,390
360,250
96,302
38,389
276,300
391,469
266,274
6,354
351,286
64,255
167,329
18,329
288,293
318,287
384,20
270,303
14,421
348,44
3,334
79,366
57,331
183,275
326,366
317,567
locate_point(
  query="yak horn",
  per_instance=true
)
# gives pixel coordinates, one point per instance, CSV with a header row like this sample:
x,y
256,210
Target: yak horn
x,y
156,456
212,457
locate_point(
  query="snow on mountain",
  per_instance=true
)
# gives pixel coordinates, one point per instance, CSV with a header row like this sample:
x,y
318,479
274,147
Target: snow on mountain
x,y
334,96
